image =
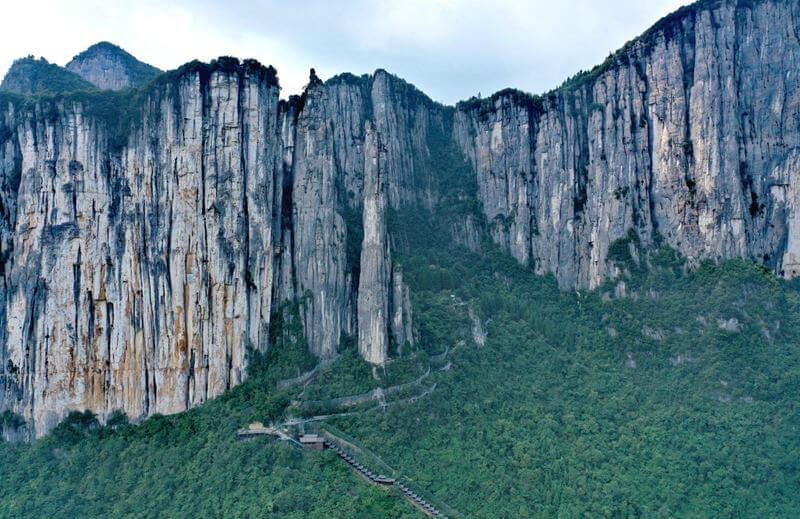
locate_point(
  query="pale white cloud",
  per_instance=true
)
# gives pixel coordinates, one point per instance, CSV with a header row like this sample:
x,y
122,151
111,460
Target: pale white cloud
x,y
450,49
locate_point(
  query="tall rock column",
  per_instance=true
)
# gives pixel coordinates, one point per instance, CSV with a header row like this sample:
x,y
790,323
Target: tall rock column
x,y
320,247
374,281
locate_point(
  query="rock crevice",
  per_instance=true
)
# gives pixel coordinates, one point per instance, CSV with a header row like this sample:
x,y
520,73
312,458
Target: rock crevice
x,y
141,265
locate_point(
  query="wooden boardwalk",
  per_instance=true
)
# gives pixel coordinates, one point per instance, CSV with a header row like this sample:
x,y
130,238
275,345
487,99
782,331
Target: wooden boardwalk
x,y
255,430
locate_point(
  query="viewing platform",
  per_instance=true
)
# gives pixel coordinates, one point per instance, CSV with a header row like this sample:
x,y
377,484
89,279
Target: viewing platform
x,y
256,429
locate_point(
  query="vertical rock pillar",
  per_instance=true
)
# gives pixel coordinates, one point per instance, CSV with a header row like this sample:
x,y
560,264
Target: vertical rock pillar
x,y
374,281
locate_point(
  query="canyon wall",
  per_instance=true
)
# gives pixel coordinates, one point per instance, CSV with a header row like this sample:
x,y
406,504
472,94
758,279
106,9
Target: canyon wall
x,y
140,279
143,256
688,135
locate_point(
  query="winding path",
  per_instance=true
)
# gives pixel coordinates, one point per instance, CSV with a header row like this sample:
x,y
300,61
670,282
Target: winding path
x,y
343,448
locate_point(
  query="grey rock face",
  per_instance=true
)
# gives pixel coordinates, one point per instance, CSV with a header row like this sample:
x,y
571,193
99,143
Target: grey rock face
x,y
107,66
402,325
319,253
479,335
374,282
139,275
139,279
691,133
384,308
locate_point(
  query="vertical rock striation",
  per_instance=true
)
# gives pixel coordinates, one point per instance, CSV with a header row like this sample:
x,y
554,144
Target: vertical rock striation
x,y
402,331
374,281
688,135
319,234
143,254
138,281
139,275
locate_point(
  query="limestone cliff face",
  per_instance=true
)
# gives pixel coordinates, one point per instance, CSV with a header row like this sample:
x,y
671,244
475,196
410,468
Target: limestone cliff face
x,y
384,309
109,67
144,255
137,281
319,253
140,278
348,166
374,287
690,133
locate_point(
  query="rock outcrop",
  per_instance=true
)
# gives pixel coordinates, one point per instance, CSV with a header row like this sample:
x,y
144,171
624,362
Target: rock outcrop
x,y
144,254
139,278
402,331
109,67
688,135
135,281
374,286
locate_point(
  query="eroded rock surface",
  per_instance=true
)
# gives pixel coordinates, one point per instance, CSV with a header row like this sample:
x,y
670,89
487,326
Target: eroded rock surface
x,y
141,265
690,134
107,66
140,278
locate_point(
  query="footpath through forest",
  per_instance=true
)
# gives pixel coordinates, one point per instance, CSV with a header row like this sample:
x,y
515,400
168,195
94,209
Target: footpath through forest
x,y
363,461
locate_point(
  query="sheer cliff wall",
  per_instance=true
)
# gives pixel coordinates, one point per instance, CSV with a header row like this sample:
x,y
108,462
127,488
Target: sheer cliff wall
x,y
143,254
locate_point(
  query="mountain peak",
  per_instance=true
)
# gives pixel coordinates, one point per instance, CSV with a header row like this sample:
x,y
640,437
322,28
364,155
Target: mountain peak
x,y
104,46
29,75
108,66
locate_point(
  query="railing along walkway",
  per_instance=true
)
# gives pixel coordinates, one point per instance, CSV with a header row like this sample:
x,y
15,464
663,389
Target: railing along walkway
x,y
348,450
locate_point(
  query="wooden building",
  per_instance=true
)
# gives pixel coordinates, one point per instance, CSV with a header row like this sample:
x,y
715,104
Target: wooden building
x,y
312,442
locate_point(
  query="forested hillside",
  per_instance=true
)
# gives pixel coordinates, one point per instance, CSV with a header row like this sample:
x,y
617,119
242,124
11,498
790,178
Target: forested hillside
x,y
671,397
574,305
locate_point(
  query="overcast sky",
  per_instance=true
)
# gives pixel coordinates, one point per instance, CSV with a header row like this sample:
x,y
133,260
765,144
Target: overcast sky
x,y
449,49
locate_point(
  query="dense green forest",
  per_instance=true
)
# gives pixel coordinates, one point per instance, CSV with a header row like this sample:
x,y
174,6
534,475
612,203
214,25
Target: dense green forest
x,y
188,465
677,400
672,398
38,76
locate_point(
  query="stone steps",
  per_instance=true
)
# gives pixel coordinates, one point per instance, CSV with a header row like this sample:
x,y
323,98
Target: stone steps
x,y
382,480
